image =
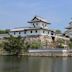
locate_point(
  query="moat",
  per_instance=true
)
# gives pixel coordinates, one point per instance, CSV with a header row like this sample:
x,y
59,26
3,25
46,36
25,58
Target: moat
x,y
35,64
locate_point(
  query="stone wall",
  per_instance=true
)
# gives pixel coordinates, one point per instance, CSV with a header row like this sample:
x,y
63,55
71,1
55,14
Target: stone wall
x,y
46,41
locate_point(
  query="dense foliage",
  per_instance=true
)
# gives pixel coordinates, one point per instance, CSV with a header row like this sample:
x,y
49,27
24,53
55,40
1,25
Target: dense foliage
x,y
4,31
58,31
35,45
60,43
70,44
14,45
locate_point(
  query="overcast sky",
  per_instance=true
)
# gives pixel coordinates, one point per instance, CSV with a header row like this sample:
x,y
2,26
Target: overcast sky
x,y
16,13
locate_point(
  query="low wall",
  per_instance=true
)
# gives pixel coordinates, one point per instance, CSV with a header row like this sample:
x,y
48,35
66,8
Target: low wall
x,y
48,52
52,52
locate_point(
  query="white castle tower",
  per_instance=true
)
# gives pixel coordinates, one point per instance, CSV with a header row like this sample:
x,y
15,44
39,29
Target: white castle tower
x,y
38,26
38,22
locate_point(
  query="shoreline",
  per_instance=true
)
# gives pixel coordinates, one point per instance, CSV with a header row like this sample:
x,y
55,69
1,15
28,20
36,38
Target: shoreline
x,y
39,55
50,52
44,53
47,54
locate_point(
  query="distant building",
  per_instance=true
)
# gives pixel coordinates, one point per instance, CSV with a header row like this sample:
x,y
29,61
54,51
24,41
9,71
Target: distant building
x,y
38,27
68,32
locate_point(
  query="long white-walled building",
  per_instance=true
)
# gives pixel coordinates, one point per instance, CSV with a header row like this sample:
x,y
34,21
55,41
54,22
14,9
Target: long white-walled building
x,y
38,26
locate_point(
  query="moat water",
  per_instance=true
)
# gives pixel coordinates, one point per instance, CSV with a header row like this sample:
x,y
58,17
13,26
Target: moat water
x,y
35,64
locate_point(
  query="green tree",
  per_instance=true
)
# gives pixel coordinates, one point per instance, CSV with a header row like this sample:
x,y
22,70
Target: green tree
x,y
4,31
14,45
7,31
70,44
26,46
58,31
59,43
35,44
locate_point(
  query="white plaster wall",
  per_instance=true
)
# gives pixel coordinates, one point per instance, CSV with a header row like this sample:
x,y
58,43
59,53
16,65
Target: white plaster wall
x,y
15,35
28,32
45,32
39,25
33,32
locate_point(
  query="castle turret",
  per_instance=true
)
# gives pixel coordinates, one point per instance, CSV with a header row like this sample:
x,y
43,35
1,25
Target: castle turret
x,y
38,27
39,22
68,32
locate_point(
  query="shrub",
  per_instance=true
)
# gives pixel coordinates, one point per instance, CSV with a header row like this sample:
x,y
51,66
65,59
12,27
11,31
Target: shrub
x,y
14,45
70,44
35,44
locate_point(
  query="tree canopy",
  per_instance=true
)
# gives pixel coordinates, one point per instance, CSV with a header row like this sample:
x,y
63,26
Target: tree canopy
x,y
58,31
4,31
14,45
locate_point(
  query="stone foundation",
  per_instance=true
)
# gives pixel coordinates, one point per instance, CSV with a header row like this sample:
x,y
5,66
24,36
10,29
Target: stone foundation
x,y
46,41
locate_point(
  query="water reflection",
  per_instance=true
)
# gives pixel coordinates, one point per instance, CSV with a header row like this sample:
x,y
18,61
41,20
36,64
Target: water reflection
x,y
65,62
49,64
14,64
35,64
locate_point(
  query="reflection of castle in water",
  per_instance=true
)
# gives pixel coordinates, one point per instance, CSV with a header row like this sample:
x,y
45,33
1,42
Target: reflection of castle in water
x,y
41,64
35,64
46,64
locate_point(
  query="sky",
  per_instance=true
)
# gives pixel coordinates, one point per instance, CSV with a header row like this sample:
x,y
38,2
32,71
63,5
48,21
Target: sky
x,y
16,13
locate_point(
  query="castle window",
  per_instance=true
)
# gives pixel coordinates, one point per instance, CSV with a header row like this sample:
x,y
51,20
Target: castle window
x,y
19,32
24,32
52,33
48,32
42,24
14,33
31,31
33,24
43,31
36,31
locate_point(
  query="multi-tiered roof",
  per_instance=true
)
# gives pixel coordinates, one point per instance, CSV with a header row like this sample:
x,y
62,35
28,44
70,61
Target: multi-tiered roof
x,y
38,19
33,22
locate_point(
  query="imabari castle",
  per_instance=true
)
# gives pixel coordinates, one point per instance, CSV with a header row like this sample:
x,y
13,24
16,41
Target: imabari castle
x,y
38,27
38,30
